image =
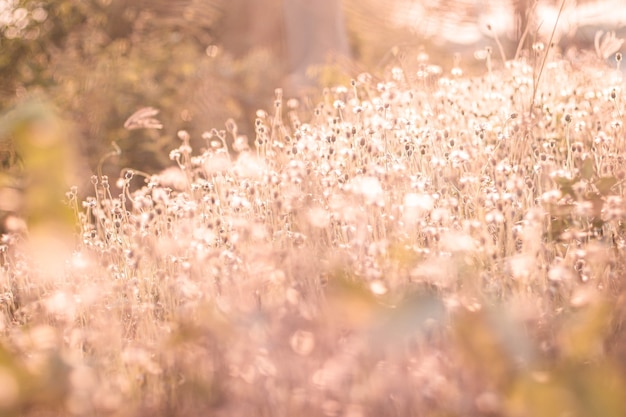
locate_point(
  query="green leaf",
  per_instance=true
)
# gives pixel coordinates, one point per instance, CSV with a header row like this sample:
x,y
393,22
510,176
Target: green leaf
x,y
583,336
605,184
569,389
587,171
491,343
565,184
411,318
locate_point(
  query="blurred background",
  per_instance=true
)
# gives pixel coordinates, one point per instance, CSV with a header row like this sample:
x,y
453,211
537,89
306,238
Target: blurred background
x,y
201,62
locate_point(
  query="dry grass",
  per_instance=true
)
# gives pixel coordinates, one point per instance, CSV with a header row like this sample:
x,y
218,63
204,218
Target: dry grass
x,y
432,245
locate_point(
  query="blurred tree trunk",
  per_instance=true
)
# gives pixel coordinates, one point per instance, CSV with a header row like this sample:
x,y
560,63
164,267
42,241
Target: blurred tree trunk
x,y
316,32
299,33
246,25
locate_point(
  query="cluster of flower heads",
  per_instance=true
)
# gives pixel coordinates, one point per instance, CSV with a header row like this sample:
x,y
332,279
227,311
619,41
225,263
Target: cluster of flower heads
x,y
248,272
427,165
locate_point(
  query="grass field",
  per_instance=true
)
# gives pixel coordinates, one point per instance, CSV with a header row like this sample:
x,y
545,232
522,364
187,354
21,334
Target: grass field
x,y
428,245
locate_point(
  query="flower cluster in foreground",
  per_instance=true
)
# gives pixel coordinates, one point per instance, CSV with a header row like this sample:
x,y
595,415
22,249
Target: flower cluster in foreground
x,y
427,245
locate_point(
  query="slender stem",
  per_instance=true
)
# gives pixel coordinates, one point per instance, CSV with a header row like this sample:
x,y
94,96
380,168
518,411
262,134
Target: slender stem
x,y
115,152
545,58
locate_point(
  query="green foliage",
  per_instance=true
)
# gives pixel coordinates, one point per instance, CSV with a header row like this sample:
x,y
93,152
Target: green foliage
x,y
30,387
46,162
100,61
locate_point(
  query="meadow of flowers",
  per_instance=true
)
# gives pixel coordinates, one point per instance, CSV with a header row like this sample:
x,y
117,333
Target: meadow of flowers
x,y
423,244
